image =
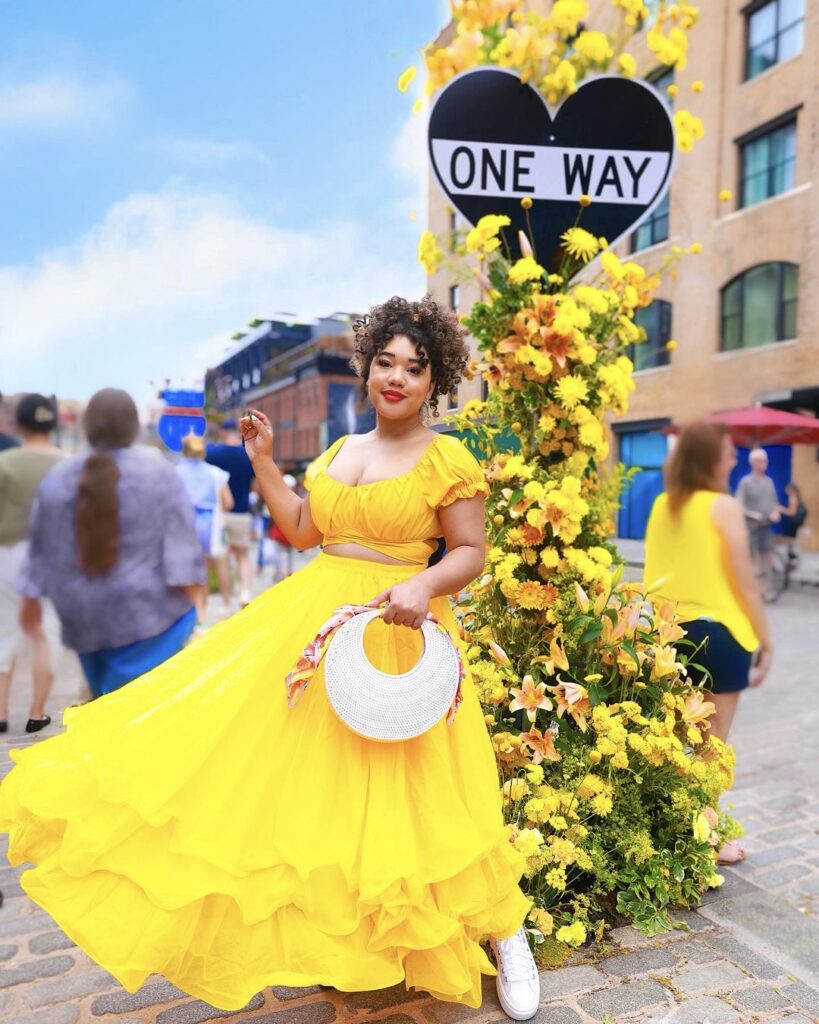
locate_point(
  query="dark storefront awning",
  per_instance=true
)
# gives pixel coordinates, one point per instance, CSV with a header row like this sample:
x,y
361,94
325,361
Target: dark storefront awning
x,y
792,400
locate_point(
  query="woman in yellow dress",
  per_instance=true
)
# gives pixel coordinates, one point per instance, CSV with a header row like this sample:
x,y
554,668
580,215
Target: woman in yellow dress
x,y
192,825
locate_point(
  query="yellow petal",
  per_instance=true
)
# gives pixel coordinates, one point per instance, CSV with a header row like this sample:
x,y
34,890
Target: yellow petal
x,y
406,78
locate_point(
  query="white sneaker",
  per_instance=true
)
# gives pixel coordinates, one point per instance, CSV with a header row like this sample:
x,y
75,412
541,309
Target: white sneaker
x,y
518,982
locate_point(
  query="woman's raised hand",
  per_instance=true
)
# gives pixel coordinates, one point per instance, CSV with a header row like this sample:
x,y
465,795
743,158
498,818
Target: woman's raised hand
x,y
257,435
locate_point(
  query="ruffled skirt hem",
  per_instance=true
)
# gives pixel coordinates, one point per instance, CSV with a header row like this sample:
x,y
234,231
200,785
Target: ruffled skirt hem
x,y
190,825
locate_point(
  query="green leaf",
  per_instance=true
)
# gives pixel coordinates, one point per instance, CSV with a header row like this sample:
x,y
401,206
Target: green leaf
x,y
581,620
630,651
591,633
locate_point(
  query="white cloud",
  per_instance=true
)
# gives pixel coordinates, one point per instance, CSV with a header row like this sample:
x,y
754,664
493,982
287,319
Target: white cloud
x,y
157,287
209,152
59,101
409,159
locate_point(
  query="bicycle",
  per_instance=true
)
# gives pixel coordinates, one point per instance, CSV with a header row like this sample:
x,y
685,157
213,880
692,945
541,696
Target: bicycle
x,y
783,562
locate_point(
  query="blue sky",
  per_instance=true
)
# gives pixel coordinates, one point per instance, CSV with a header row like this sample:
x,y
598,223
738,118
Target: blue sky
x,y
173,169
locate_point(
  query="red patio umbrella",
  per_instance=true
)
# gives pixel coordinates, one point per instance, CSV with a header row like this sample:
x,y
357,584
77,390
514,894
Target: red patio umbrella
x,y
760,425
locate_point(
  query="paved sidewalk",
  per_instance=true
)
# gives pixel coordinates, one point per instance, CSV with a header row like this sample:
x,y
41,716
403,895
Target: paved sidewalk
x,y
751,953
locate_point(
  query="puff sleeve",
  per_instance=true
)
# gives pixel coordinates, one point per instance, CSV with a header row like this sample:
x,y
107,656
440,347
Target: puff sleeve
x,y
451,472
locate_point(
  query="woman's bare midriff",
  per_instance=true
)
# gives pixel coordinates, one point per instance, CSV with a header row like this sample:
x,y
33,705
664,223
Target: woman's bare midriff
x,y
359,551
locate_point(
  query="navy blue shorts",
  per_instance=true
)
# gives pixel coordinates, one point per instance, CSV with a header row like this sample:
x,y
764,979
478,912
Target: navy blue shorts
x,y
727,662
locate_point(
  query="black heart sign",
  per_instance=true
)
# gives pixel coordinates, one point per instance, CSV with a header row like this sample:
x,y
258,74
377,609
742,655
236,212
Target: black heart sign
x,y
494,141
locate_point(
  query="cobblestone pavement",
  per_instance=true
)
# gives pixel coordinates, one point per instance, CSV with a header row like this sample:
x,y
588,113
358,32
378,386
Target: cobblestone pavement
x,y
751,953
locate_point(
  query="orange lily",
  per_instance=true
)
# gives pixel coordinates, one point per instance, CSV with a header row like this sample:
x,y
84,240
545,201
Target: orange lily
x,y
530,698
697,708
573,698
541,744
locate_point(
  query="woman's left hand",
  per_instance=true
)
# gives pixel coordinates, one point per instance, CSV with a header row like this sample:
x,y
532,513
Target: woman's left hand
x,y
408,603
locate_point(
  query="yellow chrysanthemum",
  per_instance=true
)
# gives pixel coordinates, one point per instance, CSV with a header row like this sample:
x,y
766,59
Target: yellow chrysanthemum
x,y
528,842
542,920
566,16
515,789
484,236
594,46
525,269
550,558
580,244
560,83
475,15
689,129
571,390
572,934
429,253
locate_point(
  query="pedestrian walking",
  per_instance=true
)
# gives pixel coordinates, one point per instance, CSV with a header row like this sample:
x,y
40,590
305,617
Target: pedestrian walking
x,y
209,493
236,836
229,455
697,556
757,496
114,546
22,468
281,547
793,518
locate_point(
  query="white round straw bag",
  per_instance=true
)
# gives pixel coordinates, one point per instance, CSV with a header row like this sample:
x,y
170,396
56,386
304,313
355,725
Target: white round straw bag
x,y
385,707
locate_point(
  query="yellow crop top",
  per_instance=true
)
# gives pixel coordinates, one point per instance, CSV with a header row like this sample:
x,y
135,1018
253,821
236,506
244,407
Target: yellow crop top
x,y
687,553
397,516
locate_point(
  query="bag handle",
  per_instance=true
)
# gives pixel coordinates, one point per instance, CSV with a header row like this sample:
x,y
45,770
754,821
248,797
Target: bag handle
x,y
298,678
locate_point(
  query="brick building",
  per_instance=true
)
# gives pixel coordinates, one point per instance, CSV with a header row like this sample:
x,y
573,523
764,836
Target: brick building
x,y
310,394
242,370
743,312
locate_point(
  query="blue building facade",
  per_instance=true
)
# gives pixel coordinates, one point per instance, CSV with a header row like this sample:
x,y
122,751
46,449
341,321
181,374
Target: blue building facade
x,y
243,368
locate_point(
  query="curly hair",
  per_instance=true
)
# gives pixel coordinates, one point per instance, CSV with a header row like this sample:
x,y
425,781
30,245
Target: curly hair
x,y
435,331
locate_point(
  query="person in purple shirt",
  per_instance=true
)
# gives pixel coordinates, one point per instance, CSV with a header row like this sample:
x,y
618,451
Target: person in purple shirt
x,y
230,456
112,543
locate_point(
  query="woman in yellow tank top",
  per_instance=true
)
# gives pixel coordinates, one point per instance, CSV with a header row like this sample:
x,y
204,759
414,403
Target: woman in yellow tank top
x,y
697,555
193,825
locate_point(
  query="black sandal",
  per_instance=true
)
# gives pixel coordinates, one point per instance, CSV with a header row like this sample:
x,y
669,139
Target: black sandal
x,y
36,724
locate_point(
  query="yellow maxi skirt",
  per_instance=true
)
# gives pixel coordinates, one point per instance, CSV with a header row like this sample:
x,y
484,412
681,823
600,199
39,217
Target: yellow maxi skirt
x,y
191,825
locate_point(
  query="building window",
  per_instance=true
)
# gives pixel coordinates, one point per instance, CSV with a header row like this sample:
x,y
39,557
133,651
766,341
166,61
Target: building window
x,y
759,306
455,297
768,162
654,228
484,389
452,401
655,320
453,229
773,33
653,9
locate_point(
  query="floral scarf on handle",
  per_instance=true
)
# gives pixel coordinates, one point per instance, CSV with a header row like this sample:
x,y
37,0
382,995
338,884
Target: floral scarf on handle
x,y
299,676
